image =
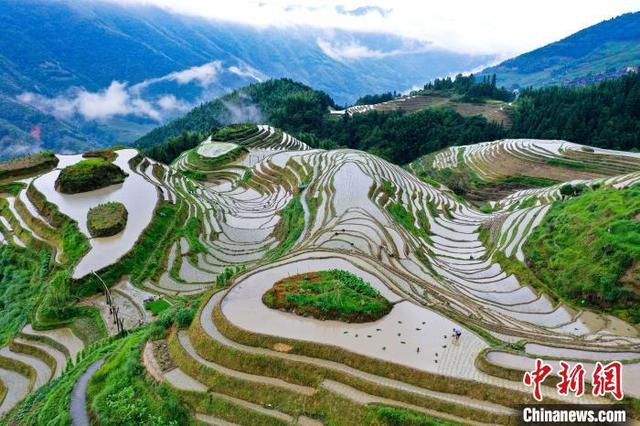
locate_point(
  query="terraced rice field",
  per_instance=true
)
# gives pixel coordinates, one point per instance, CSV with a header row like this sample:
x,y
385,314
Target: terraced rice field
x,y
493,110
340,208
215,149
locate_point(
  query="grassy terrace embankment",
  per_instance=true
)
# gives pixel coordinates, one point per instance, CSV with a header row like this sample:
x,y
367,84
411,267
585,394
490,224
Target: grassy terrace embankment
x,y
328,295
588,250
29,165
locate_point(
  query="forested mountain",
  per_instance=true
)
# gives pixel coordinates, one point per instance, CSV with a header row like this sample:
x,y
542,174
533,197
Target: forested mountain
x,y
301,110
282,101
605,115
604,50
105,73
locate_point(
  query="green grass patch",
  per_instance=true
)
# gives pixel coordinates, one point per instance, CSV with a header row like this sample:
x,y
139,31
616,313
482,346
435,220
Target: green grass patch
x,y
88,324
588,250
527,202
89,174
191,174
568,164
157,306
487,208
21,273
404,217
423,177
392,416
529,181
246,176
226,277
121,394
107,219
12,188
388,188
233,132
191,231
58,304
288,229
334,294
74,243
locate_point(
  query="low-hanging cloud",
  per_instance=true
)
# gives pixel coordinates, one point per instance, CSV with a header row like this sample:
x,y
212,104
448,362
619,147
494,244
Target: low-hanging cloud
x,y
120,99
203,75
115,100
247,71
242,110
353,50
169,103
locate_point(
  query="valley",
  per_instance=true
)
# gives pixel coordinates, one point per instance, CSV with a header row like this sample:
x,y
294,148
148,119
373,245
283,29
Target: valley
x,y
209,235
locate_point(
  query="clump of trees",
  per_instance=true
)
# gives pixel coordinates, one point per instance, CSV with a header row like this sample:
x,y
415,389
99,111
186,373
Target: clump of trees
x,y
570,190
170,150
605,115
376,99
400,137
468,88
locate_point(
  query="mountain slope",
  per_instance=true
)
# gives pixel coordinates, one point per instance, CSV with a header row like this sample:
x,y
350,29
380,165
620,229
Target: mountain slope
x,y
165,63
280,101
209,236
592,54
296,108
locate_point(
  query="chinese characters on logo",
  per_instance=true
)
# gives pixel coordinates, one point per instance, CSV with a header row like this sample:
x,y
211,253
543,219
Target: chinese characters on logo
x,y
605,379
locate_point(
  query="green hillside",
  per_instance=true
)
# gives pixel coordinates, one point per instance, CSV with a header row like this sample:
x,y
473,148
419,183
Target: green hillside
x,y
605,115
397,135
588,250
598,52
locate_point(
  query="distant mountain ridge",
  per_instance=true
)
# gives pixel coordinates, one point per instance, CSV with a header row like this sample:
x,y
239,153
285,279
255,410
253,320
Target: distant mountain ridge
x,y
59,58
602,51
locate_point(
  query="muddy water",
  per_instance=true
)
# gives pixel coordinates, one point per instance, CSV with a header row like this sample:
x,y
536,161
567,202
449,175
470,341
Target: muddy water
x,y
417,327
137,194
352,189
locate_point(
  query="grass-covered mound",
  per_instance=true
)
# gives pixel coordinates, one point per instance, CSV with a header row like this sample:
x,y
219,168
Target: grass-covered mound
x,y
328,295
588,250
89,174
107,219
209,156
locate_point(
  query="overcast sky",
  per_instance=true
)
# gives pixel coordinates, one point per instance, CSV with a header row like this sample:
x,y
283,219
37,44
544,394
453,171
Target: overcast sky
x,y
503,27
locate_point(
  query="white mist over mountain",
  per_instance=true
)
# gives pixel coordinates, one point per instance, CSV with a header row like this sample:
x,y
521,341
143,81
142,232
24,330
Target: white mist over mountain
x,y
494,27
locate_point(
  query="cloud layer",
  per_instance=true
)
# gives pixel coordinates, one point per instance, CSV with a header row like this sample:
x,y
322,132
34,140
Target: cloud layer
x,y
354,50
502,27
115,100
120,99
203,75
